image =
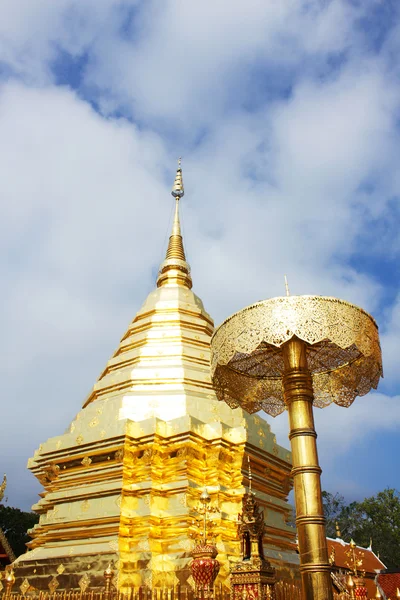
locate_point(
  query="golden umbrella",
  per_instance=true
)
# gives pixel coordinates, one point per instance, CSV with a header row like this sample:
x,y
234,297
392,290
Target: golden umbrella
x,y
295,352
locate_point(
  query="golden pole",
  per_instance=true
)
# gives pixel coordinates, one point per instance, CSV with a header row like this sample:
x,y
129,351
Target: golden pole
x,y
310,521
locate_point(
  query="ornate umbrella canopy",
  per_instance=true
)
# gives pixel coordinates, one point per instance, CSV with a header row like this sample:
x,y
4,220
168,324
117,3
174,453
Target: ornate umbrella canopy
x,y
343,352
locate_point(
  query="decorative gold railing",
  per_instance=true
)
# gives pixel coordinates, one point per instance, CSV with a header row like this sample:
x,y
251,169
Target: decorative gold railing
x,y
283,591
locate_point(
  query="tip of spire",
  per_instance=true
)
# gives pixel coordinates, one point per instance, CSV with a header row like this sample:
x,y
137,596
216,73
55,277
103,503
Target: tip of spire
x,y
175,269
178,189
287,286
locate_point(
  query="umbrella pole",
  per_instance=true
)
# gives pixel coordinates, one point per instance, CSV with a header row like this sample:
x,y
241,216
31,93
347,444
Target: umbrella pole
x,y
310,521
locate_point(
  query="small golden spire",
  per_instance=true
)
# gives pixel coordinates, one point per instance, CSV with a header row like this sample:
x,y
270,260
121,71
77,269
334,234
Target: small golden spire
x,y
250,476
286,286
397,593
377,594
175,269
338,534
3,487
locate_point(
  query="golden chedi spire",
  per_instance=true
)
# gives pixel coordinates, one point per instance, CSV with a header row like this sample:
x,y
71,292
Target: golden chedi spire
x,y
174,269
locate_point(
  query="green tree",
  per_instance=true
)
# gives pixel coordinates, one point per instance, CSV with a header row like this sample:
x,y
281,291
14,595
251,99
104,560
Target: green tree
x,y
381,523
376,518
15,524
334,505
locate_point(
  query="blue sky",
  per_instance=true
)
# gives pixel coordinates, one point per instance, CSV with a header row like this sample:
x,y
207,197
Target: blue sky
x,y
287,118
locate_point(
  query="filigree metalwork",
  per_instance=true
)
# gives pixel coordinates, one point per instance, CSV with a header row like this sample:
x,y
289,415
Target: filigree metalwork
x,y
203,525
355,559
344,354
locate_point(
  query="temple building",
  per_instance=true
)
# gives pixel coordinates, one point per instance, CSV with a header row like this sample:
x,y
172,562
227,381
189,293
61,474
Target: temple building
x,y
346,558
121,485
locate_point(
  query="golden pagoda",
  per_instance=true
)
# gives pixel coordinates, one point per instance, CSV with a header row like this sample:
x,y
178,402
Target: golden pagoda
x,y
121,484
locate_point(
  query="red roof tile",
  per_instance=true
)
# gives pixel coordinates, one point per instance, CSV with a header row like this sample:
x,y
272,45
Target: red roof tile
x,y
389,582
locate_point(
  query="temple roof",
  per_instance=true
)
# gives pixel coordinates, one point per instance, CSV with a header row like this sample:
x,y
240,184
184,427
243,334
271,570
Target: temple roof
x,y
371,563
389,583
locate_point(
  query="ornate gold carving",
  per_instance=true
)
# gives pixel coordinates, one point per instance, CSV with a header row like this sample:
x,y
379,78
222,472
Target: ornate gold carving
x,y
53,584
94,422
24,587
79,439
147,456
355,559
86,461
119,455
60,569
84,582
343,352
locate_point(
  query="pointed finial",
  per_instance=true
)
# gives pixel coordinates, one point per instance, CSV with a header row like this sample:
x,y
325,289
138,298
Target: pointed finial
x,y
3,487
338,534
174,270
250,476
287,286
177,189
377,594
397,593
